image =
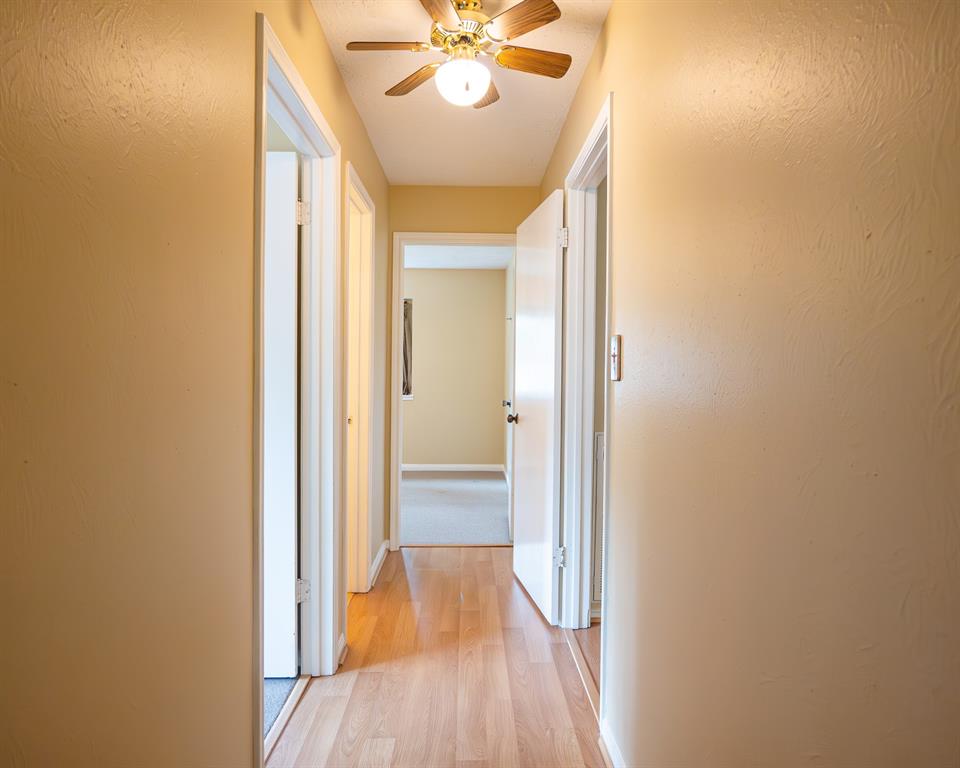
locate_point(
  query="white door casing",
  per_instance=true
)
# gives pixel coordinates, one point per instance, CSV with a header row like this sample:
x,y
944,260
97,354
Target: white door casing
x,y
280,416
585,289
282,94
537,405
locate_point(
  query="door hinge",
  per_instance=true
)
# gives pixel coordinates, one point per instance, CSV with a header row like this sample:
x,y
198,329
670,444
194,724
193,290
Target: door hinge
x,y
560,557
303,213
564,237
303,590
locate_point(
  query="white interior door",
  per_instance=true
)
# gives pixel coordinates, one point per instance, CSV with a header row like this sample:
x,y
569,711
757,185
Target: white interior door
x,y
280,416
354,577
508,388
536,447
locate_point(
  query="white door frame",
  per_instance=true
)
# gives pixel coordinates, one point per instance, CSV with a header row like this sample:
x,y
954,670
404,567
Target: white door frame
x,y
360,579
281,92
510,391
400,241
591,166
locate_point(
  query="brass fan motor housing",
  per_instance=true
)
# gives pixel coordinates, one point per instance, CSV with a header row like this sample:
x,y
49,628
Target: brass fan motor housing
x,y
471,33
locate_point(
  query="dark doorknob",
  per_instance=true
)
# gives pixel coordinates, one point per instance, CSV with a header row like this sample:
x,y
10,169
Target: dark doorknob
x,y
513,418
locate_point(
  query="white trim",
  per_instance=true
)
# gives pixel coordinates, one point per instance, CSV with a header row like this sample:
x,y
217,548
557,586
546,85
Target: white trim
x,y
259,216
377,563
454,468
610,744
395,395
604,755
590,167
593,164
341,649
400,241
355,193
281,92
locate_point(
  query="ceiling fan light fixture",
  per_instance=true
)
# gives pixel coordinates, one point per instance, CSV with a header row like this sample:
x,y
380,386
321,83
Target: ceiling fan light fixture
x,y
462,80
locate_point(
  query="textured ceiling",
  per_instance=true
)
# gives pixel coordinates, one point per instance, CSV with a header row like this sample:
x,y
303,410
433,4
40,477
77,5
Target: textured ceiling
x,y
420,138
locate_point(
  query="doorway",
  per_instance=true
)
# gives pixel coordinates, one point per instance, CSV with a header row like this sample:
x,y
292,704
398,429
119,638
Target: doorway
x,y
299,622
588,639
451,365
281,423
592,363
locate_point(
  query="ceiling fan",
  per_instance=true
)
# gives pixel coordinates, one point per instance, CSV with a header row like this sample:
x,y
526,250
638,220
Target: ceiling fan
x,y
463,32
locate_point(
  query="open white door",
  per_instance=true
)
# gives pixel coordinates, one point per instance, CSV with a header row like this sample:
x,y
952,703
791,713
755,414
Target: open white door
x,y
509,387
536,407
280,416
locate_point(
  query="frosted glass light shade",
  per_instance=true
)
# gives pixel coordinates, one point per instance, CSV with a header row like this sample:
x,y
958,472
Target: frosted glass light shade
x,y
462,81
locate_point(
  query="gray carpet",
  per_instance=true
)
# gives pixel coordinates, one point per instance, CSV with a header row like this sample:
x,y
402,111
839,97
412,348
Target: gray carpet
x,y
453,508
275,692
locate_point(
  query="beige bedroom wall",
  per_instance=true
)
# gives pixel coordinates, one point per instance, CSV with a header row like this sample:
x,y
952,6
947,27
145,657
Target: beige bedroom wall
x,y
455,416
785,478
126,370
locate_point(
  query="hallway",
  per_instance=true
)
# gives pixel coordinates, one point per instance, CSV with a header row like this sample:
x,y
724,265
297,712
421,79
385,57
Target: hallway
x,y
683,277
449,664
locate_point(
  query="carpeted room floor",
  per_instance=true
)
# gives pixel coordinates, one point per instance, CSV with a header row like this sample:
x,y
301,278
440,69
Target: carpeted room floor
x,y
453,508
275,693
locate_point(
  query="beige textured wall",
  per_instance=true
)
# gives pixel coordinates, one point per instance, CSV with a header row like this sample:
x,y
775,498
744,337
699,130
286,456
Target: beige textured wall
x,y
455,416
784,527
126,369
460,209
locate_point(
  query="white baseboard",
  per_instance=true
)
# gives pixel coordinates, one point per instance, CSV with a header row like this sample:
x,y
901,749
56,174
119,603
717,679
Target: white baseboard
x,y
610,745
452,468
341,650
377,563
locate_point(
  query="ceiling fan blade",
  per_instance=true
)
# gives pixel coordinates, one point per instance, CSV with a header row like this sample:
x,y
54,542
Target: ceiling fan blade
x,y
417,78
524,17
492,95
546,63
442,12
375,46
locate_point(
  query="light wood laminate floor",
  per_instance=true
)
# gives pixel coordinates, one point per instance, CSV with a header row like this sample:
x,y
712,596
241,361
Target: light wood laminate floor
x,y
589,642
450,664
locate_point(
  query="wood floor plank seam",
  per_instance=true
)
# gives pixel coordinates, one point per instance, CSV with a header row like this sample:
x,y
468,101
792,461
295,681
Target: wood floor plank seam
x,y
449,665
